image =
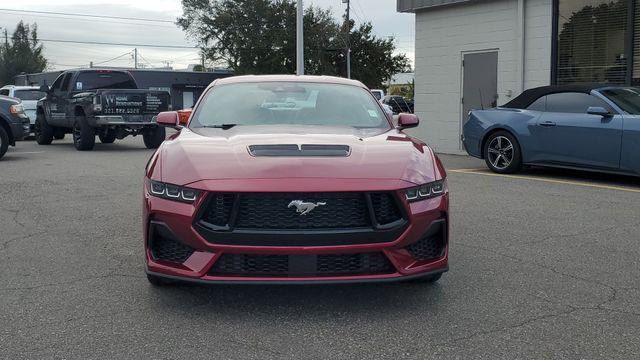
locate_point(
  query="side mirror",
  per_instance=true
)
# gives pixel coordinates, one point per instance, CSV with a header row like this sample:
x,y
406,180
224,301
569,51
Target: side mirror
x,y
168,118
183,116
598,110
406,121
44,89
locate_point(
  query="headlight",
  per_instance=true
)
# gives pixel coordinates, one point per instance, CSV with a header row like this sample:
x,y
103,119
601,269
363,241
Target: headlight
x,y
173,192
426,191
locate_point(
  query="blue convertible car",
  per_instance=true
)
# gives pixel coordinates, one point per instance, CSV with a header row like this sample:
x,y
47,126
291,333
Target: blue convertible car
x,y
595,127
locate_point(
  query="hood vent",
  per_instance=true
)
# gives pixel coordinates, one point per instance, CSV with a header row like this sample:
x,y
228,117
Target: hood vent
x,y
300,150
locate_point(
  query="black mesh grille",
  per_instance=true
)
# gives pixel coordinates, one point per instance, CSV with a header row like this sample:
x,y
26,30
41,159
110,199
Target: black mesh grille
x,y
291,265
257,265
363,263
276,211
430,247
385,208
167,249
218,210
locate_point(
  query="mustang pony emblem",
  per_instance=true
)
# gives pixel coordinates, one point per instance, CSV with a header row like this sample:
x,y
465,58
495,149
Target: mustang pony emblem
x,y
305,207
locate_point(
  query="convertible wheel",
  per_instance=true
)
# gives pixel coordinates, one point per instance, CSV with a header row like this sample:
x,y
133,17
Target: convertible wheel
x,y
502,153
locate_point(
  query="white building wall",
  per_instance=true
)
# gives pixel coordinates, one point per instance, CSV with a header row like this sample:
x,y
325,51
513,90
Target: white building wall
x,y
444,34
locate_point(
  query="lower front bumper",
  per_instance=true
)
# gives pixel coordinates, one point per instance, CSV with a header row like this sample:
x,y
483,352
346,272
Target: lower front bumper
x,y
19,130
299,281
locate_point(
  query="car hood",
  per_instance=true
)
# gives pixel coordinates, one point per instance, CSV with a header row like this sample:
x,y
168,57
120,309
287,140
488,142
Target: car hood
x,y
217,154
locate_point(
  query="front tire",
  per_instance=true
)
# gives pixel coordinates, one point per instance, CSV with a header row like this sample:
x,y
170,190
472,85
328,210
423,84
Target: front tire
x,y
43,131
4,142
84,136
502,153
153,137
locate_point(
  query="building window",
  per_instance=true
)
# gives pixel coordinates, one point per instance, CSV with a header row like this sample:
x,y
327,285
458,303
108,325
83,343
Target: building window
x,y
591,41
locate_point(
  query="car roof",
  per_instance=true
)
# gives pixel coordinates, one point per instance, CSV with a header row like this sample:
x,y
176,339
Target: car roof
x,y
288,78
527,97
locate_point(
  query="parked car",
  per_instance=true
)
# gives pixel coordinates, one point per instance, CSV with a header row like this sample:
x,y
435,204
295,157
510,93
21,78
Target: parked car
x,y
29,96
387,109
14,124
592,127
293,179
398,103
105,103
378,93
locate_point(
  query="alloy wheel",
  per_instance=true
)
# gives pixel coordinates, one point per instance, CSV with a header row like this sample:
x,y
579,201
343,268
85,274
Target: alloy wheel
x,y
500,152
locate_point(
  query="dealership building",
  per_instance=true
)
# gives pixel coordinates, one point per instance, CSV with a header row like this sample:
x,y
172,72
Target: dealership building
x,y
481,53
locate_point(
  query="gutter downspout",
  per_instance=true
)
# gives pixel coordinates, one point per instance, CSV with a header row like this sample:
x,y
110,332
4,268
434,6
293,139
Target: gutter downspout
x,y
521,43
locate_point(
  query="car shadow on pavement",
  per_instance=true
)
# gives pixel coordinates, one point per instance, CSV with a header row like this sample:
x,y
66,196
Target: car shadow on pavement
x,y
294,300
581,176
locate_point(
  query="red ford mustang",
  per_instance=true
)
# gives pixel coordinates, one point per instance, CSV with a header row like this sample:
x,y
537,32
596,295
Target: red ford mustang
x,y
293,179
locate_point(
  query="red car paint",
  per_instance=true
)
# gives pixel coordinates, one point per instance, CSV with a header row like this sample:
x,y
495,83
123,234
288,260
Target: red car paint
x,y
217,161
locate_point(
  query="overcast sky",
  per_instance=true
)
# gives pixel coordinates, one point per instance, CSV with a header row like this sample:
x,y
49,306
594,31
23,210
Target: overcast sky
x,y
382,13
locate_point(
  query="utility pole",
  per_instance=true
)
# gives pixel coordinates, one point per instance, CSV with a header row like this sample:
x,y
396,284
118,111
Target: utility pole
x,y
203,68
348,37
135,58
300,39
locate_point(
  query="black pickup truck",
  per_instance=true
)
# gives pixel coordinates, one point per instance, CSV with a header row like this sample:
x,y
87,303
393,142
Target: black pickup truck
x,y
106,103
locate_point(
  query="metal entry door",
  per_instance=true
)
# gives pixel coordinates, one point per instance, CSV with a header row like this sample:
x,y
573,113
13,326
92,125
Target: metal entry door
x,y
479,82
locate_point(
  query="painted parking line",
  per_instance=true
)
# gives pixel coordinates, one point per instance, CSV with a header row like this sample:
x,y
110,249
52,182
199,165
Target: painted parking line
x,y
545,179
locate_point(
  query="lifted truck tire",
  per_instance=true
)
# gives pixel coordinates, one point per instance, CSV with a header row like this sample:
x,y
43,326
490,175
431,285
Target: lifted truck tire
x,y
108,137
4,141
84,136
153,137
43,131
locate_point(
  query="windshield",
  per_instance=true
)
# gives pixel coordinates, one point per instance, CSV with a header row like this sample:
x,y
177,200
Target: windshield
x,y
296,103
91,80
28,94
628,99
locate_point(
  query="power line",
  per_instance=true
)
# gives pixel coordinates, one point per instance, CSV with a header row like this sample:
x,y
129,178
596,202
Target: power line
x,y
97,20
119,44
87,15
115,58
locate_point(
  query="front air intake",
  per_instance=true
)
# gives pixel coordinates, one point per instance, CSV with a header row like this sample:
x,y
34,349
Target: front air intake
x,y
300,150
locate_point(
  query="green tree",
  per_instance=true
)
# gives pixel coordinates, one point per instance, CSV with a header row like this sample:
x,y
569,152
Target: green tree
x,y
258,37
22,52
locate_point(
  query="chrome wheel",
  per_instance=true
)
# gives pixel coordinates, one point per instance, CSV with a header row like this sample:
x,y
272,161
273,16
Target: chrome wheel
x,y
500,152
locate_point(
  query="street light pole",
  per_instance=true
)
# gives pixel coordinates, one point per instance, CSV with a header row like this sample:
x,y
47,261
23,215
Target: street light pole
x,y
348,38
300,39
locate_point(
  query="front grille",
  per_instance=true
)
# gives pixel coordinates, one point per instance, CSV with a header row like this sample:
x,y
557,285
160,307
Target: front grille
x,y
276,211
218,210
258,265
385,208
431,246
302,265
166,249
362,263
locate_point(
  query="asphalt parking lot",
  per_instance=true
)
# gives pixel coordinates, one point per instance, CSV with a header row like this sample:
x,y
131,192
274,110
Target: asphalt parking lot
x,y
542,265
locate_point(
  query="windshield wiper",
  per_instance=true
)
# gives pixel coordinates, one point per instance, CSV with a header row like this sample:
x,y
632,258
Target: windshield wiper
x,y
220,126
